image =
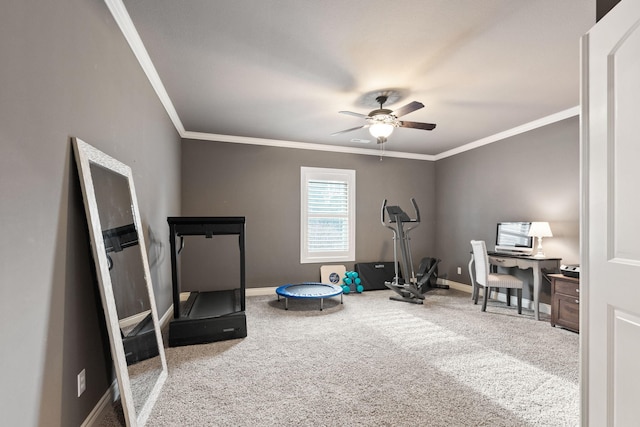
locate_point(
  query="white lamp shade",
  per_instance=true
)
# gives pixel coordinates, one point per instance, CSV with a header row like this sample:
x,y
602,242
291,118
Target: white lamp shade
x,y
381,130
540,229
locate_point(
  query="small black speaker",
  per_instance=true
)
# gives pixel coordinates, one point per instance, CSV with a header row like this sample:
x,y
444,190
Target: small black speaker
x,y
374,274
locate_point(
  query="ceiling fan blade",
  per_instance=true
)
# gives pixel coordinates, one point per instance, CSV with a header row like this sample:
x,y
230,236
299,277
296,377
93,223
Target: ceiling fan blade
x,y
351,113
417,125
349,130
409,108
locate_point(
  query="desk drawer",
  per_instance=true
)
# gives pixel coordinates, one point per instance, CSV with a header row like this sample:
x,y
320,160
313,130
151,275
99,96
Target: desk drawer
x,y
565,302
503,262
565,311
567,288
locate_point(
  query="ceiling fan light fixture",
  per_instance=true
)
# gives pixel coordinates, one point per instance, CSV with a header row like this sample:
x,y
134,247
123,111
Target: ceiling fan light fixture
x,y
381,130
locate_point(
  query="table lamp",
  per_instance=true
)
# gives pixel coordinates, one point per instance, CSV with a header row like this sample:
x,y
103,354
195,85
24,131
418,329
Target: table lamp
x,y
540,230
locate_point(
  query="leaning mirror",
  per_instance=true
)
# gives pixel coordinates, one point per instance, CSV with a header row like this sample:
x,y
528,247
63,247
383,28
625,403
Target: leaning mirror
x,y
122,267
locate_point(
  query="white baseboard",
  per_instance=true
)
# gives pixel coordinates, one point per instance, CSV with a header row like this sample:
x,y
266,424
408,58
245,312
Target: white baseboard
x,y
254,292
250,292
456,285
96,413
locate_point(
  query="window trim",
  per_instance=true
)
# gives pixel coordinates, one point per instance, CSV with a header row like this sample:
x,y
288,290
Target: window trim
x,y
345,175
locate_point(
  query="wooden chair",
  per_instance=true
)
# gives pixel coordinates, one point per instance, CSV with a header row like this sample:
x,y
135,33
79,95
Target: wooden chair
x,y
487,280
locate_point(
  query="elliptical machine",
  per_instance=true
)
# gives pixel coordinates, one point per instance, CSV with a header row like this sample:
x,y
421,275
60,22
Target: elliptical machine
x,y
413,287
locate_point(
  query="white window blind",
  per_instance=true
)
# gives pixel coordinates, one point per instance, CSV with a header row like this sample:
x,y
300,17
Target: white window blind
x,y
327,215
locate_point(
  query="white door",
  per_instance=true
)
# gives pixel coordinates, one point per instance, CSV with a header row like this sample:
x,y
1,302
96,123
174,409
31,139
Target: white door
x,y
610,230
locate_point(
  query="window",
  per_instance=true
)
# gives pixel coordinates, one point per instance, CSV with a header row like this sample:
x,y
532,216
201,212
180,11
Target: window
x,y
327,215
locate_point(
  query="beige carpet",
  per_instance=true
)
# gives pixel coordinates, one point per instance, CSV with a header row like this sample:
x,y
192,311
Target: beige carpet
x,y
376,362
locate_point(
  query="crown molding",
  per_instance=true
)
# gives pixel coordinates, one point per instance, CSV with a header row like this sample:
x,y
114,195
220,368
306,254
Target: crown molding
x,y
303,145
553,118
122,18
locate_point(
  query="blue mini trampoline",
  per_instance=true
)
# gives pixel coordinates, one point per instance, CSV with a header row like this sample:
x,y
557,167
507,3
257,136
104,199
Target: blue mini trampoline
x,y
308,290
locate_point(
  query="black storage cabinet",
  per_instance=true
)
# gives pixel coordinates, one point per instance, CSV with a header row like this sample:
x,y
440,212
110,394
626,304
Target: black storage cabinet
x,y
209,315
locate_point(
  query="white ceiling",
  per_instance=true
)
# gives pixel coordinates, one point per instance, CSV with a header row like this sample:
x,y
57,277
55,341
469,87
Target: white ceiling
x,y
278,71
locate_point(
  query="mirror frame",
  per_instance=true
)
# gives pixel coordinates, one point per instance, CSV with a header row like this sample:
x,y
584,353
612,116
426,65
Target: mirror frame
x,y
86,155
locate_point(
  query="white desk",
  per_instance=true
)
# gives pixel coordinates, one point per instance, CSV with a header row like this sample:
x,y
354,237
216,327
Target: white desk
x,y
523,263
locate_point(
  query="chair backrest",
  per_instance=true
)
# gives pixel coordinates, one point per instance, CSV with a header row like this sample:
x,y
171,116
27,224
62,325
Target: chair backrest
x,y
481,261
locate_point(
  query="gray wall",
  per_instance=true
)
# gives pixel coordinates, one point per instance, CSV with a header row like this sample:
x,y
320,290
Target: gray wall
x,y
529,177
67,71
263,184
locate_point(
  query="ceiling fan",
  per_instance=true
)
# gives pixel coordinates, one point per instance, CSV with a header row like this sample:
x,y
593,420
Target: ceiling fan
x,y
382,121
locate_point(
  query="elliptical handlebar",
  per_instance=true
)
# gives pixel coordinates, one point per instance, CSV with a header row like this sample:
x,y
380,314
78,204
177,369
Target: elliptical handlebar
x,y
415,221
384,205
415,208
396,214
382,218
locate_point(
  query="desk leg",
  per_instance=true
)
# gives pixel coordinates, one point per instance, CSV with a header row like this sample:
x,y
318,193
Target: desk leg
x,y
537,283
537,279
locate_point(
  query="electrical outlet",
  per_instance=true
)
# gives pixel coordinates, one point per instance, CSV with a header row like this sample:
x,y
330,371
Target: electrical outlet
x,y
459,270
82,382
